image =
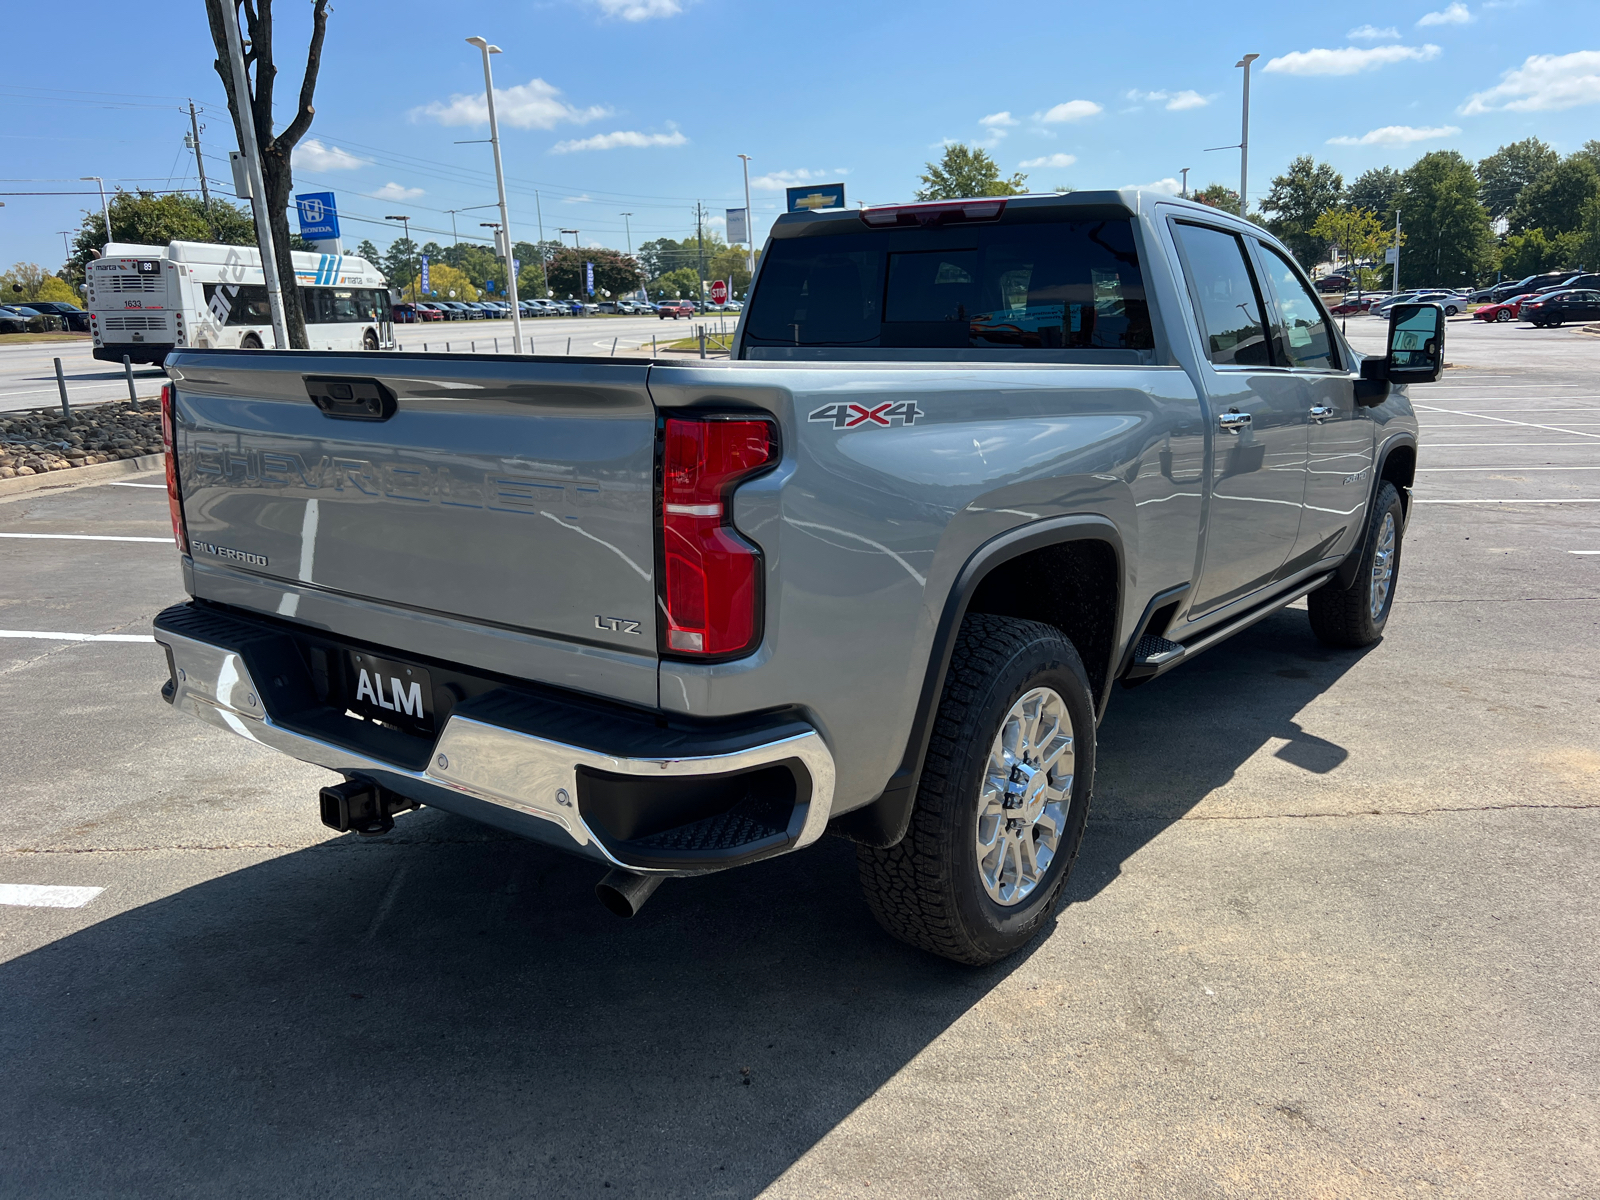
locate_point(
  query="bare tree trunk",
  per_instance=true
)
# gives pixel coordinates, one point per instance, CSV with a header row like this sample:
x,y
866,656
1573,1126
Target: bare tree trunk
x,y
276,151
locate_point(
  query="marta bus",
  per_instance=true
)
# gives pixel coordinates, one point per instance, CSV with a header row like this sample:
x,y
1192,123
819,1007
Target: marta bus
x,y
146,300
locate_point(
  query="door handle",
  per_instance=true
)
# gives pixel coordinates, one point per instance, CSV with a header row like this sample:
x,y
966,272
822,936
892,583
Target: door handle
x,y
1233,421
1321,412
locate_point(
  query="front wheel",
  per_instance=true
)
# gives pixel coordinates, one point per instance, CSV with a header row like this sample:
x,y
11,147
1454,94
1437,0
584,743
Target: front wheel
x,y
1451,311
249,342
1355,616
1503,315
369,340
1002,802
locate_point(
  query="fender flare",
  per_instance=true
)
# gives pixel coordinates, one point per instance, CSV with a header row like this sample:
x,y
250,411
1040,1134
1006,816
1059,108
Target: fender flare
x,y
1345,575
884,821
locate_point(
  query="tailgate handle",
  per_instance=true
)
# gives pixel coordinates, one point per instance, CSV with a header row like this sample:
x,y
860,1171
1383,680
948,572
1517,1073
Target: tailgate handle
x,y
351,399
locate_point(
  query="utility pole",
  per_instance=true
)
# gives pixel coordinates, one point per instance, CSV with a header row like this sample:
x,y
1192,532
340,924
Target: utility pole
x,y
504,235
405,224
1396,288
544,266
700,247
1185,183
628,231
749,227
66,233
104,211
200,165
1244,136
258,186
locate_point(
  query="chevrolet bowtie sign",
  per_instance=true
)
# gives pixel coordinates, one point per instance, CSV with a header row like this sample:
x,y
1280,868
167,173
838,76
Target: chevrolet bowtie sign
x,y
816,197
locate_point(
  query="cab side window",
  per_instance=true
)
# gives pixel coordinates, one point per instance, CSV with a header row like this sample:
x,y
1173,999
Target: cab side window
x,y
1229,305
1305,341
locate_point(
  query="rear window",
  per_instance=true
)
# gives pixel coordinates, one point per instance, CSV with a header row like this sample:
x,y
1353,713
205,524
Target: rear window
x,y
1072,285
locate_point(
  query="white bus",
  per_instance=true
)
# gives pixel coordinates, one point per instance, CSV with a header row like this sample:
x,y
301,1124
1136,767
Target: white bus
x,y
146,300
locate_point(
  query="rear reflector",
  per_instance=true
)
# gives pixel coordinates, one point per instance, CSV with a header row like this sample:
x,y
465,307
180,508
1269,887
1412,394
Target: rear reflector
x,y
711,586
937,212
169,442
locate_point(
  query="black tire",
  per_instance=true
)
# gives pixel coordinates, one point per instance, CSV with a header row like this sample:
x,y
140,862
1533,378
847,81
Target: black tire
x,y
1503,315
1451,311
369,340
1552,323
249,342
926,889
1344,617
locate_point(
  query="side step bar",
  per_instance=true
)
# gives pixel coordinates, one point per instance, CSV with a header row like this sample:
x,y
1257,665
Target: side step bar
x,y
1155,655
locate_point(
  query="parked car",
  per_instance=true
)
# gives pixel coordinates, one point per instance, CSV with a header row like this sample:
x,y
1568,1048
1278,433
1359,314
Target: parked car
x,y
1506,310
430,312
889,597
37,322
1550,281
1351,305
74,318
607,306
1449,301
1555,308
1590,280
1333,283
404,314
11,321
675,309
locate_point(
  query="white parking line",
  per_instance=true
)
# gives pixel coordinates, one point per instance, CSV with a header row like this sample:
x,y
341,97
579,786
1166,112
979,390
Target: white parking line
x,y
119,483
1507,421
1583,551
76,637
36,895
1420,470
1573,501
83,537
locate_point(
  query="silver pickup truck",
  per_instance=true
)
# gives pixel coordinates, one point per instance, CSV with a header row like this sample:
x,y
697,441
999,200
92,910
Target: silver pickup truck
x,y
970,465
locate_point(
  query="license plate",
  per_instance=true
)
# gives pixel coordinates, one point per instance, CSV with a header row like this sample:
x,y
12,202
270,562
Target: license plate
x,y
389,691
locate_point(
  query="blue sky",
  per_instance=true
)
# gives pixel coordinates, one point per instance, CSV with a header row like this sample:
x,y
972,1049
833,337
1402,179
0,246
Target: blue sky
x,y
641,106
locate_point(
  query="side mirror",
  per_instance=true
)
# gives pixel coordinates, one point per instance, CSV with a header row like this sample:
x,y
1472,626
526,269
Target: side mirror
x,y
1416,343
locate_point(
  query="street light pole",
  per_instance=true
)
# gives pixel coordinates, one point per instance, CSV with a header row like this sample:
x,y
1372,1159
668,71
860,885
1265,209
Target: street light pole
x,y
1244,136
749,226
500,182
405,224
104,211
1185,182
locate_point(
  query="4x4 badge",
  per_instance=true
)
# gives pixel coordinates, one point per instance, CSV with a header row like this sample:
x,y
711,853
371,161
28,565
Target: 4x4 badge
x,y
853,416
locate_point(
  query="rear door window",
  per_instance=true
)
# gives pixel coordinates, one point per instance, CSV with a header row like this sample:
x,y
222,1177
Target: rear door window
x,y
1224,289
1057,285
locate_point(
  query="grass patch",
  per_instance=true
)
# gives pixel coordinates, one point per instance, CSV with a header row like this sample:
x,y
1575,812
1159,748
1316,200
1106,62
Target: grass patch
x,y
15,339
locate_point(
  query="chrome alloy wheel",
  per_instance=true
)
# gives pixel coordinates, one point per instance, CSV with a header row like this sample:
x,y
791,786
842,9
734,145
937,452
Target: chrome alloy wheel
x,y
1027,790
1382,567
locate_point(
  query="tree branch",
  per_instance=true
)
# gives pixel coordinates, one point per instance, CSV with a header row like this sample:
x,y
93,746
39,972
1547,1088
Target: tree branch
x,y
291,136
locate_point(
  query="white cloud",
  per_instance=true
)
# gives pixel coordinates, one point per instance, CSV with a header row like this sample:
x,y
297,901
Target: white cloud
x,y
639,10
1351,60
1398,135
999,120
1168,186
622,137
1455,14
1174,101
585,198
776,181
1072,110
1049,160
1544,83
312,155
393,191
1371,33
532,105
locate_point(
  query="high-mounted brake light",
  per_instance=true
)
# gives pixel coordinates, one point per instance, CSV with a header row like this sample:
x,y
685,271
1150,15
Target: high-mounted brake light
x,y
169,442
711,585
937,212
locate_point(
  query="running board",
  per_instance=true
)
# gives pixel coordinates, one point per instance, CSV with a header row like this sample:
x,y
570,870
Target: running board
x,y
1157,655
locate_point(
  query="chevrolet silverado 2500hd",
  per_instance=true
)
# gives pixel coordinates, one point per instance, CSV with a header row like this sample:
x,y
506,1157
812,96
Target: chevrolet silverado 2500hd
x,y
971,464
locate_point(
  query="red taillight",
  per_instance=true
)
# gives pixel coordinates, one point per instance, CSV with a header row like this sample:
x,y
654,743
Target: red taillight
x,y
169,442
711,585
935,212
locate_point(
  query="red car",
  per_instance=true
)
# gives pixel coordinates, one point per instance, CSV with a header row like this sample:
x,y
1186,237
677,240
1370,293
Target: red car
x,y
1506,310
1351,305
430,312
674,309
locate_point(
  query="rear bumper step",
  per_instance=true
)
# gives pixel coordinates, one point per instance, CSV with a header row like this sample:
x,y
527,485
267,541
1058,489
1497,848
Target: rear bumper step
x,y
614,786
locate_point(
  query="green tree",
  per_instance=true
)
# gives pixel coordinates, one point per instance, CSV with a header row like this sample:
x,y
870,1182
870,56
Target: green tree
x,y
1591,151
1529,253
148,219
1555,199
1376,191
443,280
402,263
1218,196
1448,241
371,253
1297,198
675,284
29,281
1586,237
614,272
967,171
1359,235
1503,175
729,264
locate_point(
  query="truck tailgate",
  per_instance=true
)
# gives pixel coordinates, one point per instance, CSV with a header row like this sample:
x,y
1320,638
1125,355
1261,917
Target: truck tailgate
x,y
508,492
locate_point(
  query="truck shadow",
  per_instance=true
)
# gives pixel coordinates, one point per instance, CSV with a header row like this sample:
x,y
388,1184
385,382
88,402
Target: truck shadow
x,y
449,1011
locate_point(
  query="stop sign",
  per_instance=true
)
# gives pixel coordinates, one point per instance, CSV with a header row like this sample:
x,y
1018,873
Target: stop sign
x,y
719,291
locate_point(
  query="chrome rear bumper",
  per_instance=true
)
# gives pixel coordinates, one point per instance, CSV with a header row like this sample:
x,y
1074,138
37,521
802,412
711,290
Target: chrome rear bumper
x,y
501,776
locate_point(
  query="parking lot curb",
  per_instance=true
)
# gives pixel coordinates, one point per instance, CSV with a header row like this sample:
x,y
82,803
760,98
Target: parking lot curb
x,y
80,476
1591,330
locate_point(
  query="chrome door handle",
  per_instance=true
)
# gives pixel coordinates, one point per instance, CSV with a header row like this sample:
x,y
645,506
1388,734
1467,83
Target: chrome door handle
x,y
1233,422
1321,412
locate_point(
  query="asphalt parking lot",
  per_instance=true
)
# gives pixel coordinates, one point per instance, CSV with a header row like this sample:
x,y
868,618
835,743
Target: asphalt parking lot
x,y
1333,931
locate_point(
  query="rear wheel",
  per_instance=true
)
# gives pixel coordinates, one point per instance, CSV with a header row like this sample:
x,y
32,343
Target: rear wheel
x,y
1355,616
1002,801
369,340
249,342
1503,315
1451,311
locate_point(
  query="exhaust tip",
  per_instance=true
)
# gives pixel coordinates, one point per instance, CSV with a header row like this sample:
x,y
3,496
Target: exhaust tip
x,y
624,892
